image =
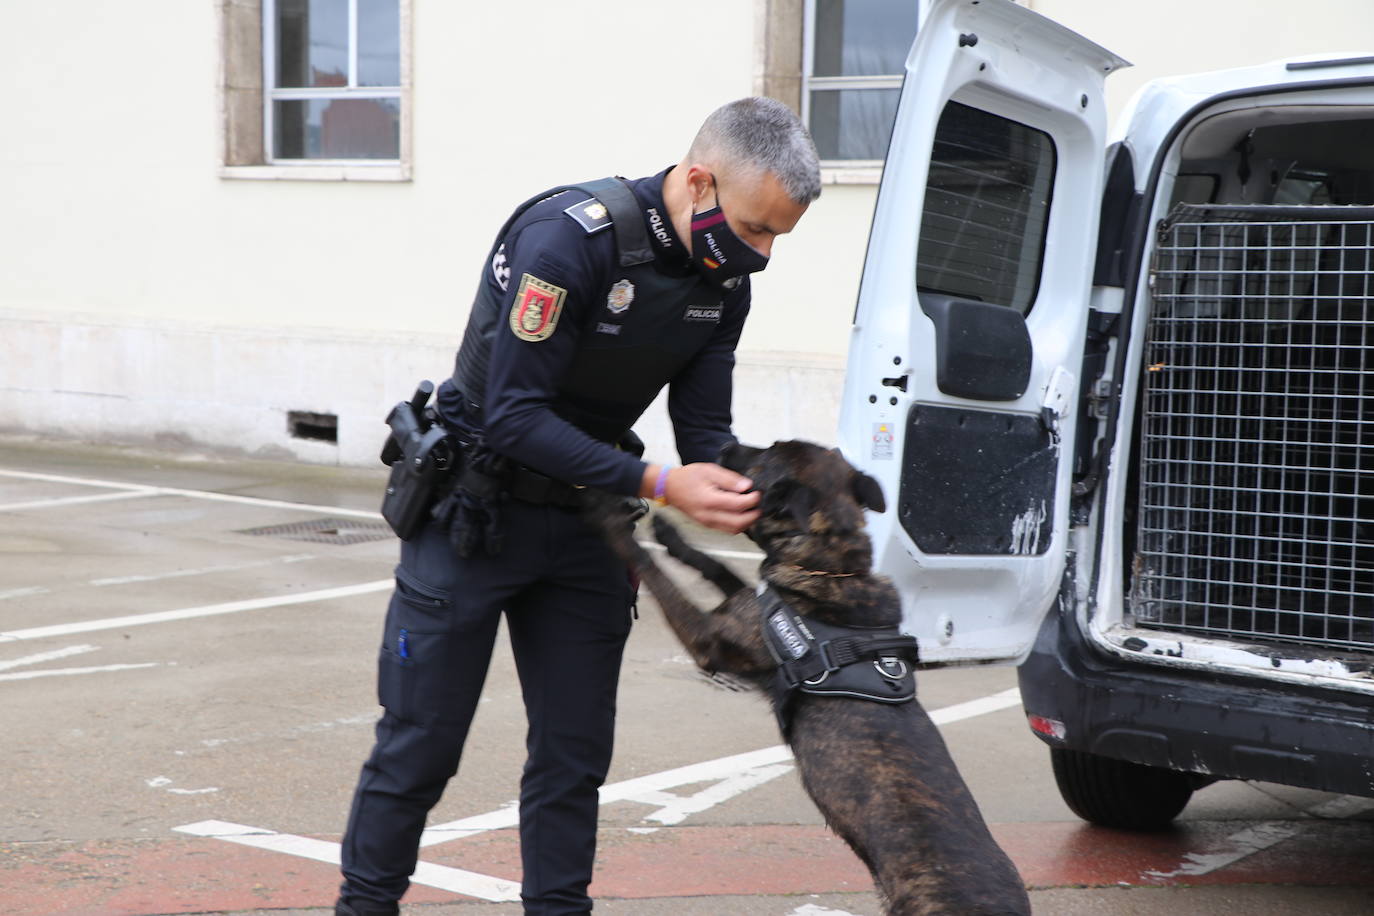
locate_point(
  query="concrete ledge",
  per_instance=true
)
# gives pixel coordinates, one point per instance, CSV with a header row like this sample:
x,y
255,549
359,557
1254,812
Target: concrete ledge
x,y
316,172
230,389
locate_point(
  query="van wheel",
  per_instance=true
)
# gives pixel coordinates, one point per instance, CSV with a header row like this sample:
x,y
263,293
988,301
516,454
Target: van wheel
x,y
1118,793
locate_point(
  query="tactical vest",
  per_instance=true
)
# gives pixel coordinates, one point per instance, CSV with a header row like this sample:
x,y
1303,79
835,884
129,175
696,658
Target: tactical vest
x,y
866,663
640,331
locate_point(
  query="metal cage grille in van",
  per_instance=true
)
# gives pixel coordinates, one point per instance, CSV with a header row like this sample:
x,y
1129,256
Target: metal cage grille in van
x,y
1255,489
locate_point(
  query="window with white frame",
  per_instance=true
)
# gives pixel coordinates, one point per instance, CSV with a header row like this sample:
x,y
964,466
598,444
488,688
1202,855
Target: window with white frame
x,y
332,71
854,58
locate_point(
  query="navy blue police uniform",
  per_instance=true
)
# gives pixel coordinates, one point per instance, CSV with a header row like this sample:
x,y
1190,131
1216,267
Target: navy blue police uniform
x,y
587,307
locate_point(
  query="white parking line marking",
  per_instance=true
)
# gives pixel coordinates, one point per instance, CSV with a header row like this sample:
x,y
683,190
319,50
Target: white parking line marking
x,y
63,672
272,503
722,768
812,910
46,657
728,554
75,500
1344,806
734,774
192,494
162,782
79,481
1259,837
471,884
209,610
676,808
1004,700
368,718
204,570
144,490
1235,847
648,787
508,815
23,592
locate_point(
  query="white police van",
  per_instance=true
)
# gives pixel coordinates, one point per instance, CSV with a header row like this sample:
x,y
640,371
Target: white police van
x,y
1120,394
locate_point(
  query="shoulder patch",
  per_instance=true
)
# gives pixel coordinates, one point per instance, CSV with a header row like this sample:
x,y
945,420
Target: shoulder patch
x,y
591,214
500,268
537,307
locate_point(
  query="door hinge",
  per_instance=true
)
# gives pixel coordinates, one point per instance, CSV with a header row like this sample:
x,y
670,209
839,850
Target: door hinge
x,y
1100,398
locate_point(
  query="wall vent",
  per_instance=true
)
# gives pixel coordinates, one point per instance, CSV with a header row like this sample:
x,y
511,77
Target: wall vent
x,y
321,427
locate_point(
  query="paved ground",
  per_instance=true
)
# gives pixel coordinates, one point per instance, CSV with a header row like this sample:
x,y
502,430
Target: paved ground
x,y
185,706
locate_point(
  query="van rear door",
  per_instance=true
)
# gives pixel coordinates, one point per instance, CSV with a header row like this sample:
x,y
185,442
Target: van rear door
x,y
962,383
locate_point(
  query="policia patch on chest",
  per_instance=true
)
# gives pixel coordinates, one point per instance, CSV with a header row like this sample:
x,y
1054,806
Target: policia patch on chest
x,y
538,304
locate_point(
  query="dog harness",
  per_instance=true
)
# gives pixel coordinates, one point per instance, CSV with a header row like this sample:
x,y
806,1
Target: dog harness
x,y
822,659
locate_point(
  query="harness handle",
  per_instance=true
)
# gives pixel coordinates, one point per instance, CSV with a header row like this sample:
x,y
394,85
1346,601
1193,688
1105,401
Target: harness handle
x,y
849,649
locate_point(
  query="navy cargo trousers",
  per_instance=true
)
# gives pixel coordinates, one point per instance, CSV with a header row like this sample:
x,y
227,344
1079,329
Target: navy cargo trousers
x,y
567,602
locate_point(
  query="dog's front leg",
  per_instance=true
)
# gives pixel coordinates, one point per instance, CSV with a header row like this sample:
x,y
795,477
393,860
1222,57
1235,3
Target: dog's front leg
x,y
713,570
728,639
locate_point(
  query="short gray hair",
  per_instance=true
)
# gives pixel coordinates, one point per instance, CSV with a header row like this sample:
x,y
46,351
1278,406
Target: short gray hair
x,y
760,134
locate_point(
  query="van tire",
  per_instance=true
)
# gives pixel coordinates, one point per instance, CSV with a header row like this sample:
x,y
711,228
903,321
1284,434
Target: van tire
x,y
1118,793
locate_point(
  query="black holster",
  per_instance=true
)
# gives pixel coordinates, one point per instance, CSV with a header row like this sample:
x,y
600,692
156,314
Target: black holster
x,y
421,455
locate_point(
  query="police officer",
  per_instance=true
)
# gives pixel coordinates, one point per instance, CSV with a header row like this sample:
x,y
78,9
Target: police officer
x,y
593,298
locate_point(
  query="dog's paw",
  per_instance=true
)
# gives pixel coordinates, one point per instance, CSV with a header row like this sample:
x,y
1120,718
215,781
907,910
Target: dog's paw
x,y
665,532
608,511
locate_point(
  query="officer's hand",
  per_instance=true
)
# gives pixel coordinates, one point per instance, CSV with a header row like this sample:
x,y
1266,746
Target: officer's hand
x,y
713,496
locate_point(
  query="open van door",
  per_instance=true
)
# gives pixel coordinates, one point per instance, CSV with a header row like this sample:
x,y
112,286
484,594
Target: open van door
x,y
962,383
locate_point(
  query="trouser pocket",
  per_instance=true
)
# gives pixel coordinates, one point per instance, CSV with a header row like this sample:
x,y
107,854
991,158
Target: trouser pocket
x,y
429,670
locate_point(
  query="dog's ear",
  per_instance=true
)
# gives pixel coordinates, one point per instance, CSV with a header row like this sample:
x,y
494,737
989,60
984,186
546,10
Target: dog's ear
x,y
869,493
738,458
790,498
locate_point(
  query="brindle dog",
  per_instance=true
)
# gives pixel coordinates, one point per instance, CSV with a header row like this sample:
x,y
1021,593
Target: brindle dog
x,y
879,773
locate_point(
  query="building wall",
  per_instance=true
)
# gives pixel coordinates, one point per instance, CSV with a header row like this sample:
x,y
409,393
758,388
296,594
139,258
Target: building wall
x,y
146,296
1174,37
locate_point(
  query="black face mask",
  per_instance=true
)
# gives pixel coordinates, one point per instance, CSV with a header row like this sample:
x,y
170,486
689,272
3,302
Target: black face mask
x,y
720,255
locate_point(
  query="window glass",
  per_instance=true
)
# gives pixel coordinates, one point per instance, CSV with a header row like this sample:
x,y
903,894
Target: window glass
x,y
853,123
1303,188
379,43
857,57
337,93
312,43
337,128
862,37
1195,188
987,205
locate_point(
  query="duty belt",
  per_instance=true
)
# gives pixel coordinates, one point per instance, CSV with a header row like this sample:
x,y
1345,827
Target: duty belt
x,y
528,485
868,663
524,483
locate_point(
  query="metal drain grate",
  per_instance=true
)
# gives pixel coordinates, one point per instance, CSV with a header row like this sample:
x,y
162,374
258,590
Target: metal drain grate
x,y
725,681
326,531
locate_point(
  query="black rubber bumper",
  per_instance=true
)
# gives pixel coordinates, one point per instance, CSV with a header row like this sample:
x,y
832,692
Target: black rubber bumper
x,y
1219,726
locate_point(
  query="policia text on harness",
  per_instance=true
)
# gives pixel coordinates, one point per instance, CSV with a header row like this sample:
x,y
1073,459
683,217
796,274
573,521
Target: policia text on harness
x,y
822,659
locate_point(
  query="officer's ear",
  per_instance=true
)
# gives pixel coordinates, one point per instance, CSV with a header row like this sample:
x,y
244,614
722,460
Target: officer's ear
x,y
700,183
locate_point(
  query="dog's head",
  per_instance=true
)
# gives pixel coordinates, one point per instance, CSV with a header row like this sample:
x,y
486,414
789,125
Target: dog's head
x,y
805,490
